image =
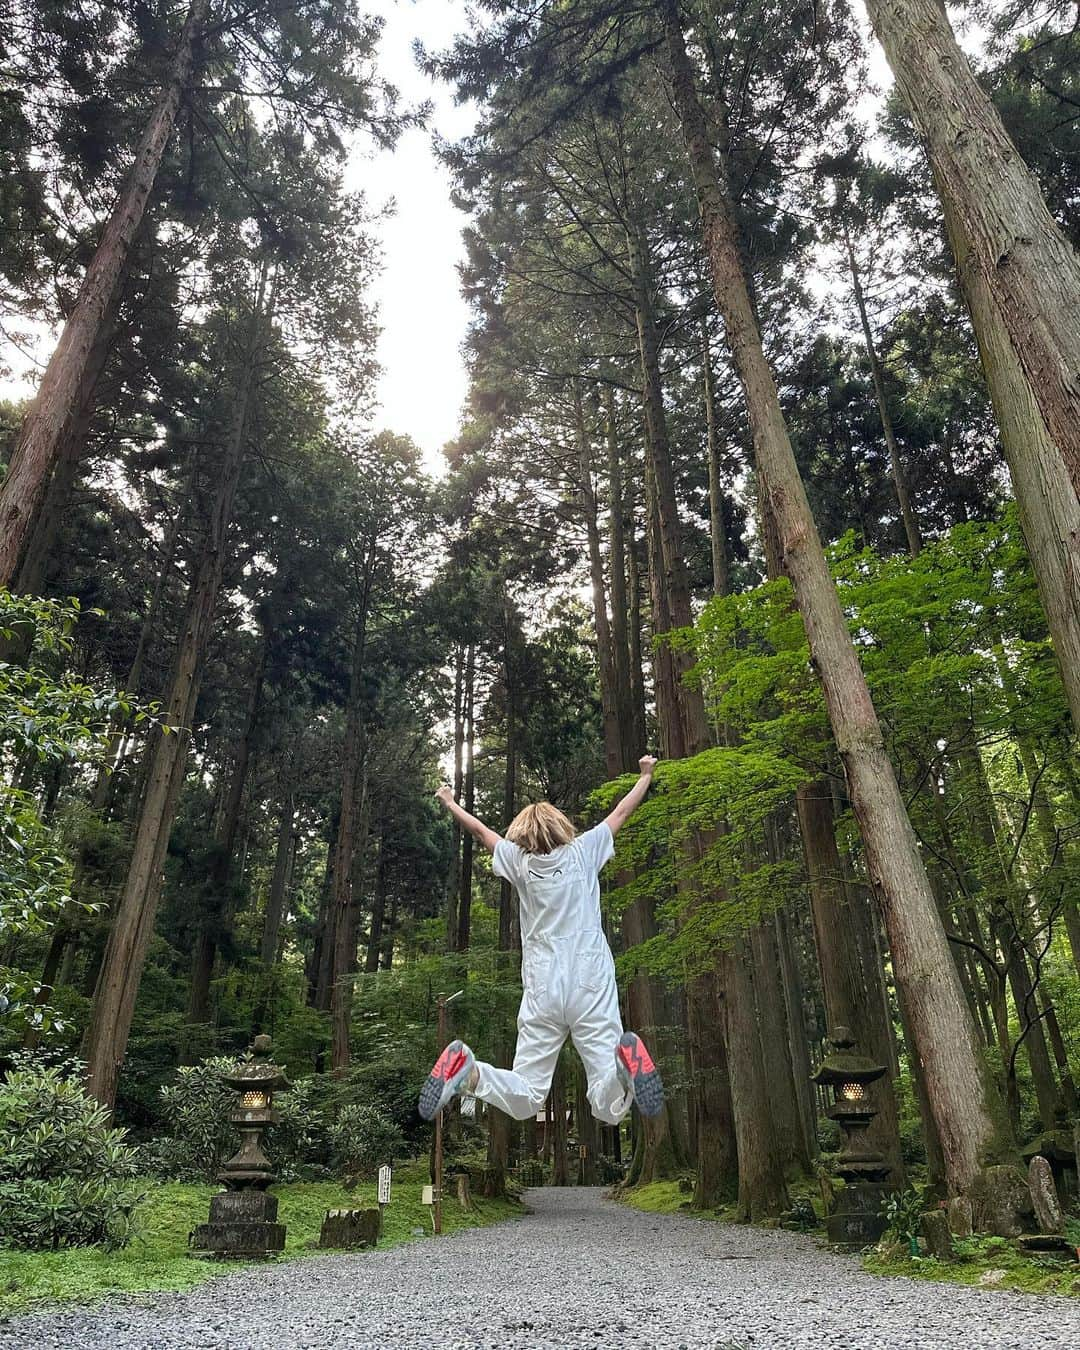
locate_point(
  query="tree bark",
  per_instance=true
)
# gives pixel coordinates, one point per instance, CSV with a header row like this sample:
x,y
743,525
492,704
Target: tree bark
x,y
341,924
630,748
961,1094
132,928
896,465
54,405
465,895
852,992
277,900
717,504
605,657
762,1189
213,924
1030,268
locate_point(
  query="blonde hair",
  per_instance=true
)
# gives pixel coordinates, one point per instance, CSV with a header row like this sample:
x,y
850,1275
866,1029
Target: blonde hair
x,y
540,828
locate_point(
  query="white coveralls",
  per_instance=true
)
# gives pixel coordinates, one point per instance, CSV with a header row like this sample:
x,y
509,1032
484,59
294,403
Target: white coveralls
x,y
569,978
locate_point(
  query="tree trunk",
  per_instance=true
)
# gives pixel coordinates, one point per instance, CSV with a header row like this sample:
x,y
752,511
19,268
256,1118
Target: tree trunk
x,y
630,749
672,571
717,512
215,923
637,669
277,900
762,1189
853,994
352,798
896,466
453,889
57,397
1046,498
378,916
604,651
132,928
961,1094
1030,268
465,896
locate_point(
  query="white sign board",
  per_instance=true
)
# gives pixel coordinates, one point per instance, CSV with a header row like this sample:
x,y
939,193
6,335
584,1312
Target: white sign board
x,y
428,1196
384,1185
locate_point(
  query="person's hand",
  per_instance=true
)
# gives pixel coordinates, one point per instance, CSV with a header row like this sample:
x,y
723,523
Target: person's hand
x,y
445,794
646,764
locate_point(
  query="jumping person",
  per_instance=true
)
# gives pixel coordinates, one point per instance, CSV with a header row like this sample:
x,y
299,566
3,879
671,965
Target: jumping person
x,y
567,971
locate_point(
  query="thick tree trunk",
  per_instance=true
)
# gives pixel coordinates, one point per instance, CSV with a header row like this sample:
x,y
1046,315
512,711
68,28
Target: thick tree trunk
x,y
961,1094
133,922
1030,268
896,465
783,1117
853,994
672,564
1046,498
55,404
762,1189
42,531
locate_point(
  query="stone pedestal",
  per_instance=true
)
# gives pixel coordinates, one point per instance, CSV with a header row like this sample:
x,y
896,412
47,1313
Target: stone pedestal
x,y
856,1219
350,1229
242,1224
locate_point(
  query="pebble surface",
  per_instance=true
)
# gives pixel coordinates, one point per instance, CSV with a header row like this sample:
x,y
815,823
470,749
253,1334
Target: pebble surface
x,y
578,1270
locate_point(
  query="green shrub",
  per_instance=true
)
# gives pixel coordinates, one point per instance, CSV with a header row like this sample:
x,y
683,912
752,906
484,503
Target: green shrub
x,y
196,1107
65,1175
902,1211
362,1138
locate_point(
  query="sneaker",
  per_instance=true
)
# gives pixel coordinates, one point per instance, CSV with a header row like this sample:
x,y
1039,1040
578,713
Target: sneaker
x,y
639,1075
452,1074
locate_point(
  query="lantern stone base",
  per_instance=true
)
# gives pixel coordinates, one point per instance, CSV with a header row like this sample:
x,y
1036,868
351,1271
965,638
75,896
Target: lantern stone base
x,y
242,1224
856,1219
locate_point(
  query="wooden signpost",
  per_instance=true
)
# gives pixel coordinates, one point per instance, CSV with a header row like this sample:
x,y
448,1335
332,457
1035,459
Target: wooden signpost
x,y
384,1191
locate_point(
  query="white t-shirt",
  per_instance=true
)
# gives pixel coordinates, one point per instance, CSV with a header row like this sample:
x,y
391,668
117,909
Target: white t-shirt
x,y
559,891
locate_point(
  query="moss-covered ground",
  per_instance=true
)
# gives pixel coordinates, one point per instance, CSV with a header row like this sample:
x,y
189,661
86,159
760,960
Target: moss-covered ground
x,y
987,1261
159,1259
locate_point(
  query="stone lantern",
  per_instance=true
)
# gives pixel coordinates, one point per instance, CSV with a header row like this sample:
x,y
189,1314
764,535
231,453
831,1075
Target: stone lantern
x,y
243,1218
856,1220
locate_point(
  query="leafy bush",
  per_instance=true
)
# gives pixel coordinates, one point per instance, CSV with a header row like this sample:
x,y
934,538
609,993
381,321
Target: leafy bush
x,y
901,1211
65,1175
362,1138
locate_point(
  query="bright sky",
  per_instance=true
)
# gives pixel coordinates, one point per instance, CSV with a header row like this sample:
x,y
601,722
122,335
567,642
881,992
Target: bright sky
x,y
423,317
422,313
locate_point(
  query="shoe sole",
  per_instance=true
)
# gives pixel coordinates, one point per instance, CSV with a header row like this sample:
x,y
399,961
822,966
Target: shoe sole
x,y
647,1087
438,1092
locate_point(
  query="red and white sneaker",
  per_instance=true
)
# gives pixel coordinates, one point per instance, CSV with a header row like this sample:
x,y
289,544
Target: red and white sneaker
x,y
451,1075
639,1075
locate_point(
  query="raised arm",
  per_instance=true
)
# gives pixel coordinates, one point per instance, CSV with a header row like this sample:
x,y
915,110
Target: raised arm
x,y
633,799
475,827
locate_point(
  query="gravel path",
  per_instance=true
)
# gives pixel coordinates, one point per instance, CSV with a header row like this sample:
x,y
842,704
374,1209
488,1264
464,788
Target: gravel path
x,y
578,1271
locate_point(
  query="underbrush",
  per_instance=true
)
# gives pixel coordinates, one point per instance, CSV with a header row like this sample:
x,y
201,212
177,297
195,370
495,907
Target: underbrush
x,y
989,1262
158,1258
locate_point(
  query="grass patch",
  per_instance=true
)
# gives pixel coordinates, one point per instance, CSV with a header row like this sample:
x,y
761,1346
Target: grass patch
x,y
668,1197
158,1258
975,1258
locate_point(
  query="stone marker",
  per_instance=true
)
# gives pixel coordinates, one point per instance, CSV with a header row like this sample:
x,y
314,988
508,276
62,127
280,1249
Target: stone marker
x,y
1001,1202
935,1229
1044,1196
351,1228
959,1212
